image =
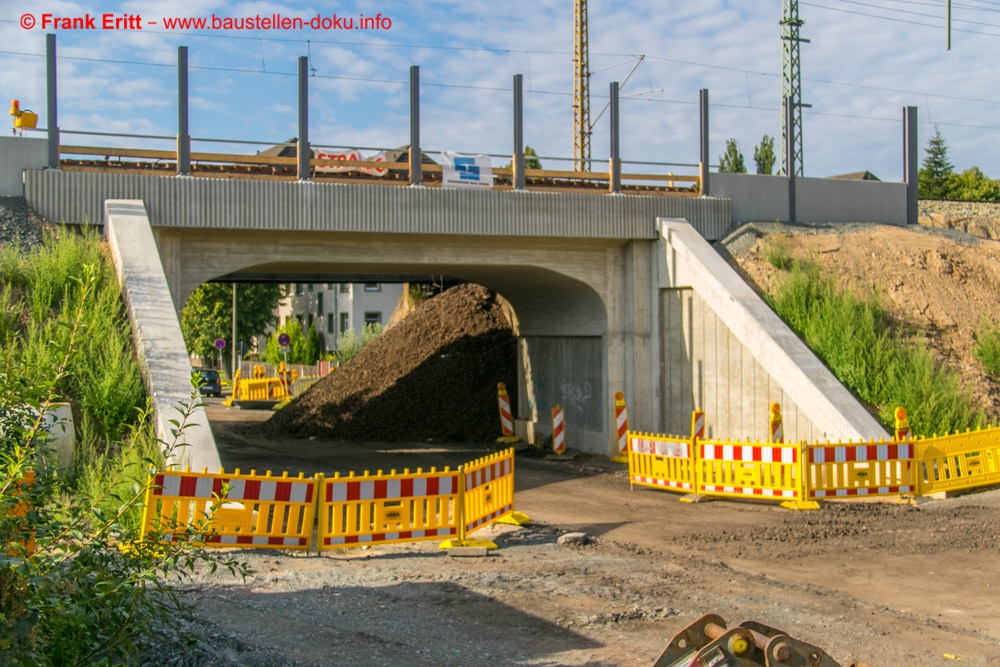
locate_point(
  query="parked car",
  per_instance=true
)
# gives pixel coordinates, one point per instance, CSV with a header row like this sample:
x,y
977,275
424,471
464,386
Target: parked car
x,y
210,383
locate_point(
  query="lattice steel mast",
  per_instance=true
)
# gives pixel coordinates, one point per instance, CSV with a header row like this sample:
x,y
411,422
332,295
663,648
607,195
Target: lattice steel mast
x,y
791,85
581,88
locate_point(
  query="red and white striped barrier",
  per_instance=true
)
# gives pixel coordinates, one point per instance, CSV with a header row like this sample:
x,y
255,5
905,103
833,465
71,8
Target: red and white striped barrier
x,y
698,425
861,470
755,452
621,421
506,417
558,431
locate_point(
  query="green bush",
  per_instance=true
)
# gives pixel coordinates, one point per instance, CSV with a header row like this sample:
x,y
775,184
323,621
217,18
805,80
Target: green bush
x,y
778,255
105,380
348,343
873,356
75,589
987,348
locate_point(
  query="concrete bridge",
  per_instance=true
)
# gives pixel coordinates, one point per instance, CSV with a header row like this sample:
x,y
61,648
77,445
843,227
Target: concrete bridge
x,y
609,293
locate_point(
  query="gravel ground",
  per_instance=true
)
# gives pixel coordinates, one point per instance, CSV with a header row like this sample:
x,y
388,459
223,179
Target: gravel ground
x,y
18,222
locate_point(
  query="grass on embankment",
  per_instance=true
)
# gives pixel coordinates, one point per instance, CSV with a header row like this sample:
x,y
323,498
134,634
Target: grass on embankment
x,y
870,353
104,383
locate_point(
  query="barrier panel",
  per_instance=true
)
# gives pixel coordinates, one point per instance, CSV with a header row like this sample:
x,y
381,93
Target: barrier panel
x,y
748,469
661,461
382,509
255,510
841,470
489,489
958,461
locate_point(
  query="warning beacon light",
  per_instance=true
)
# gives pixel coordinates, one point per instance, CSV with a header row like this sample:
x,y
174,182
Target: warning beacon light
x,y
26,119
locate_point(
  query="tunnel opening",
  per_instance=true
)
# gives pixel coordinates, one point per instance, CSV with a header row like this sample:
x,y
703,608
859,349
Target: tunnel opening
x,y
554,350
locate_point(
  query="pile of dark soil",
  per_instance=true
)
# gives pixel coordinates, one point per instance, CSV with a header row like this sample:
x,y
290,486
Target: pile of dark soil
x,y
433,376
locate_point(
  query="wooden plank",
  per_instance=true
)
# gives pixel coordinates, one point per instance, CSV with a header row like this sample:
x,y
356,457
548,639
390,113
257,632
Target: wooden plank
x,y
577,175
118,152
660,177
243,159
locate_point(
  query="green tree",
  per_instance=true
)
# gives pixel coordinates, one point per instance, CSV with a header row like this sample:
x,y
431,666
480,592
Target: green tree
x,y
935,174
296,344
731,162
209,311
973,185
763,155
531,160
311,348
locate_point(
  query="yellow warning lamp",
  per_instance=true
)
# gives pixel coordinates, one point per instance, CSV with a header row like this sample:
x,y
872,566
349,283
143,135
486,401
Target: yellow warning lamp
x,y
26,119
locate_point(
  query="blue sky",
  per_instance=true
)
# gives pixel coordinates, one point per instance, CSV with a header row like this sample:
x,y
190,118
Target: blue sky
x,y
866,60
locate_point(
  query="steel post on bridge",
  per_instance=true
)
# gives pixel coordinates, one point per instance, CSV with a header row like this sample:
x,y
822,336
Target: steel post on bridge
x,y
183,132
518,161
303,151
703,142
415,156
50,82
615,166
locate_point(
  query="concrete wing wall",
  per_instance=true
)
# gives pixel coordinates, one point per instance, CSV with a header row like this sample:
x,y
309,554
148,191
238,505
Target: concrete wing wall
x,y
735,355
19,154
157,330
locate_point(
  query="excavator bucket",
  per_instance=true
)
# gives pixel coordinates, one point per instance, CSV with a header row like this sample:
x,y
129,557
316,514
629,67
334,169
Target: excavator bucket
x,y
709,643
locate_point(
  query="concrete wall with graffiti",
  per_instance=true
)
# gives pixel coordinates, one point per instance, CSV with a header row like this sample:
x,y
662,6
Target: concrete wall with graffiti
x,y
568,372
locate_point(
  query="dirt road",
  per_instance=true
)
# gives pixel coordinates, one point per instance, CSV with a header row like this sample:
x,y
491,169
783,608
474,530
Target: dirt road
x,y
885,584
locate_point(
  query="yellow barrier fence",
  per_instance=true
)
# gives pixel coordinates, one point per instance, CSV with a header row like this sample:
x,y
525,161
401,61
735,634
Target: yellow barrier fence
x,y
800,474
253,510
489,490
958,461
841,470
750,469
661,461
381,509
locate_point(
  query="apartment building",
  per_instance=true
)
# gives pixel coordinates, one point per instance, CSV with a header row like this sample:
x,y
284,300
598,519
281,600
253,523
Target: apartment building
x,y
336,307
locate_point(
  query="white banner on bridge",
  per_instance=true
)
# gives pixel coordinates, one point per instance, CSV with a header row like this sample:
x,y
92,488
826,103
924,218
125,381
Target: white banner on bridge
x,y
347,157
466,171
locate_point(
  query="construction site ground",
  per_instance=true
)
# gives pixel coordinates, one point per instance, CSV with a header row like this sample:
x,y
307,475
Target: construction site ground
x,y
873,582
885,584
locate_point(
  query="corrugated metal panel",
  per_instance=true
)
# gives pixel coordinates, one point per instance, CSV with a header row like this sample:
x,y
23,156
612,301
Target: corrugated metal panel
x,y
78,197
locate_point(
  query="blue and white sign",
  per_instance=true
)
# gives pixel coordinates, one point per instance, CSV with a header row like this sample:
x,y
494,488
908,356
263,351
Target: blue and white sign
x,y
466,171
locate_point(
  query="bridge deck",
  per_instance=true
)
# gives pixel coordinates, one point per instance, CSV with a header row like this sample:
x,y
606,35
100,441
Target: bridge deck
x,y
254,204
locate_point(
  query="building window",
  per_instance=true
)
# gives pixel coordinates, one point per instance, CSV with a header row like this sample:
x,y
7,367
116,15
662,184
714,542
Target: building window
x,y
319,303
310,321
345,322
373,287
329,285
298,318
298,288
329,322
345,288
373,318
310,287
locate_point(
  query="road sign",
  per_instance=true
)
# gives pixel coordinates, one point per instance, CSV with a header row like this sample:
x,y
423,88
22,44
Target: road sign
x,y
220,344
284,340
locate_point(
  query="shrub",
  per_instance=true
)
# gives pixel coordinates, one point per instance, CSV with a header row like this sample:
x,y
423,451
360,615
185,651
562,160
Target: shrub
x,y
74,589
987,348
854,335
